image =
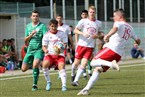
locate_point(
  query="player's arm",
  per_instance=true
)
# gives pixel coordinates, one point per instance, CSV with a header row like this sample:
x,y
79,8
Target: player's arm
x,y
76,38
45,44
111,32
71,41
77,31
27,38
94,36
44,48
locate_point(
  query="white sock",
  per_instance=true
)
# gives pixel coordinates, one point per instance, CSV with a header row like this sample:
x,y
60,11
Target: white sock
x,y
84,74
73,70
62,74
92,80
46,74
79,73
89,72
70,61
101,62
58,74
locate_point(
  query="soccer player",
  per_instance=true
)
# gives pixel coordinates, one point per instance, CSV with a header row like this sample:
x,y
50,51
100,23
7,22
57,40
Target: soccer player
x,y
70,49
66,29
84,15
33,35
87,29
54,58
100,40
113,49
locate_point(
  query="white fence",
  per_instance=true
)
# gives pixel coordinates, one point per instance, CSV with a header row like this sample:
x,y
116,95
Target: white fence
x,y
138,27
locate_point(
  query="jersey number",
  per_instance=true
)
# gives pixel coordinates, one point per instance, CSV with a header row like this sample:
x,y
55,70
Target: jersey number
x,y
126,34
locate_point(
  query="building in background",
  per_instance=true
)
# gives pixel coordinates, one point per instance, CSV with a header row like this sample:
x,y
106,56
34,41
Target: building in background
x,y
20,11
71,9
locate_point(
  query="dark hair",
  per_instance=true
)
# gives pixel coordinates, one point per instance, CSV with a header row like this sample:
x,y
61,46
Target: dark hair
x,y
53,21
9,40
121,11
84,11
12,39
70,26
4,40
59,15
35,11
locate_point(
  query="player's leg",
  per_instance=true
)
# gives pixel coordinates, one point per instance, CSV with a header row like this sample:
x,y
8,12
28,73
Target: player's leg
x,y
86,53
101,62
85,74
69,55
36,63
27,62
38,55
80,71
92,80
74,68
45,65
62,72
76,62
89,68
106,57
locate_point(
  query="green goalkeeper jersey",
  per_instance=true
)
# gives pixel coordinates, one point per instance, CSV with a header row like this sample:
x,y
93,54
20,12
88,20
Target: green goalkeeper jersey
x,y
35,42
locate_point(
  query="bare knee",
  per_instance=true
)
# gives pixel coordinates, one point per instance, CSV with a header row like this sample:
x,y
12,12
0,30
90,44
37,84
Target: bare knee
x,y
24,67
23,70
99,69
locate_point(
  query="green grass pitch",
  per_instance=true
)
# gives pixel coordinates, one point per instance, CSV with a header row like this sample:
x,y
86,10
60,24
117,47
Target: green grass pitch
x,y
129,82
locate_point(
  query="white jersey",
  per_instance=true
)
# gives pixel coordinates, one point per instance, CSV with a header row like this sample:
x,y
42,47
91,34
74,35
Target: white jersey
x,y
64,28
89,27
119,39
50,39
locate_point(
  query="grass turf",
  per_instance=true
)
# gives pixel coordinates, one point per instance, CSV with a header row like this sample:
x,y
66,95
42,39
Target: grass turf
x,y
130,82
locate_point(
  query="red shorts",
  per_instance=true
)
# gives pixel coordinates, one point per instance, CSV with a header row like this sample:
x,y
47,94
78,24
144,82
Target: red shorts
x,y
83,52
54,60
108,55
65,52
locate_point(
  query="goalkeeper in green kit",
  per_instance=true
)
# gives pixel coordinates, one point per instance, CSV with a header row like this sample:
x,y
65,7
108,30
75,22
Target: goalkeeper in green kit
x,y
33,34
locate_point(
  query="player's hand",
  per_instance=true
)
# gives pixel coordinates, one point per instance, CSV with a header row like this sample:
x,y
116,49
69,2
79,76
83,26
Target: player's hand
x,y
86,35
57,50
94,36
33,32
46,52
106,38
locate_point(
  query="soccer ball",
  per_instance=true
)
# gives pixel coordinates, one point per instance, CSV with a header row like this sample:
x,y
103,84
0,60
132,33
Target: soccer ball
x,y
58,47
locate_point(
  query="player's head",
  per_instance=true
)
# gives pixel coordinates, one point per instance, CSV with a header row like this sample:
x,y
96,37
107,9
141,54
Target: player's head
x,y
84,14
59,18
35,16
119,15
53,24
92,12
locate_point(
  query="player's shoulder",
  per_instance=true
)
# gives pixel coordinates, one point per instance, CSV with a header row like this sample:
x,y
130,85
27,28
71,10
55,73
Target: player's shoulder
x,y
29,24
47,33
65,25
98,21
40,23
60,32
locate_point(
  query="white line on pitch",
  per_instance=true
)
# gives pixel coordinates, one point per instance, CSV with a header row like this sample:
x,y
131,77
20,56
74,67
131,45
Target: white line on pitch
x,y
57,73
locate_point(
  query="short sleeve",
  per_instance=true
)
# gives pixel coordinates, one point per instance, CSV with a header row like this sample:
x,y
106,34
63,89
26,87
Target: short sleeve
x,y
80,24
45,40
44,29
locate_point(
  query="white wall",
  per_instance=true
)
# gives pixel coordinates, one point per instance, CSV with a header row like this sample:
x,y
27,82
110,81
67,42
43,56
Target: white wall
x,y
8,28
